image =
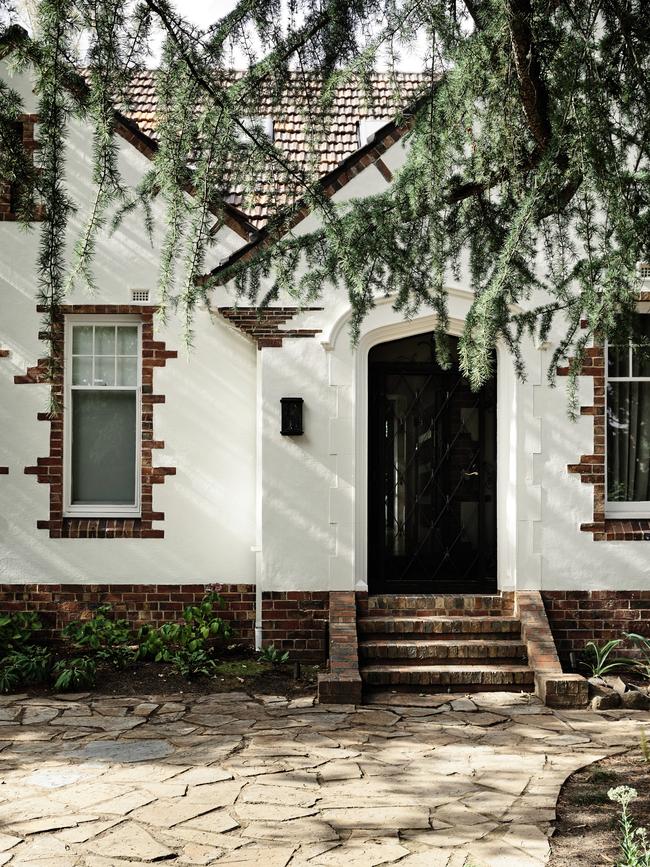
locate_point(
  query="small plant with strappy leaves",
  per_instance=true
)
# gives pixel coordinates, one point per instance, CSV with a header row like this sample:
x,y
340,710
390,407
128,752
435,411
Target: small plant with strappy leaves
x,y
642,645
274,656
600,658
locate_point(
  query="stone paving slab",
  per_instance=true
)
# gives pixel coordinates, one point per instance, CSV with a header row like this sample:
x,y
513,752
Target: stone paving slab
x,y
230,779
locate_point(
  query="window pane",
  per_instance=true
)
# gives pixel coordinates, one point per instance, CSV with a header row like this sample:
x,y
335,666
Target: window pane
x,y
628,441
127,371
641,355
82,370
618,360
127,340
105,370
104,340
82,340
103,447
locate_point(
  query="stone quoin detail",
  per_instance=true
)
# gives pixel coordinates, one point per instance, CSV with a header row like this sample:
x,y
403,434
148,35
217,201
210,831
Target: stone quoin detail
x,y
49,470
264,324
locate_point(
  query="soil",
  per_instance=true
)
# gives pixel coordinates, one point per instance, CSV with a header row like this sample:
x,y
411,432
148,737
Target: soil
x,y
237,670
587,827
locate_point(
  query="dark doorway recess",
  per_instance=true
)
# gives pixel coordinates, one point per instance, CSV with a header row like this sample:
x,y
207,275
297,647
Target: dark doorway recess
x,y
431,473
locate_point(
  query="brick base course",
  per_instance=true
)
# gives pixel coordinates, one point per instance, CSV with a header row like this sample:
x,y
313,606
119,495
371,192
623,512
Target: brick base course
x,y
294,621
578,616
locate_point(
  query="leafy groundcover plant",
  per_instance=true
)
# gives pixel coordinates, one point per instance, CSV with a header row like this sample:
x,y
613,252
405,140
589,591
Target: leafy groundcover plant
x,y
634,840
104,642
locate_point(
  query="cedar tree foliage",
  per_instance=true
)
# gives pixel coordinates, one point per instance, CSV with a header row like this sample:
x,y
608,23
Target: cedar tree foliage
x,y
528,150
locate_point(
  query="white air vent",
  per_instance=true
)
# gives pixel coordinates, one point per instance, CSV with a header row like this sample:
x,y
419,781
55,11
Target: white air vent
x,y
140,296
644,270
368,127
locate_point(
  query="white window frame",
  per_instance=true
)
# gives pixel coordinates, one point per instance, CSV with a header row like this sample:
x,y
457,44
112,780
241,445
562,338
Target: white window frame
x,y
631,509
100,510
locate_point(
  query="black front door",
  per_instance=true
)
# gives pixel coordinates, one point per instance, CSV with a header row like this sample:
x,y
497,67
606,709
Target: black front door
x,y
432,474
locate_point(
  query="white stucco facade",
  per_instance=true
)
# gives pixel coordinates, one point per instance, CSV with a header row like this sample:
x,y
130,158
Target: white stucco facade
x,y
247,504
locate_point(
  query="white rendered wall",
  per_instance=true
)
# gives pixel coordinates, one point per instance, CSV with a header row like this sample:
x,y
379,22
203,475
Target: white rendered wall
x,y
207,421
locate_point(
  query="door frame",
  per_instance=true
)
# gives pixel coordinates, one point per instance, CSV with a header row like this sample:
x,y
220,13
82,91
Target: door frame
x,y
506,417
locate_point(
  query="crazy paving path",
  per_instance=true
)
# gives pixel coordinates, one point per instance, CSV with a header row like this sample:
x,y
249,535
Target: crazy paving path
x,y
233,780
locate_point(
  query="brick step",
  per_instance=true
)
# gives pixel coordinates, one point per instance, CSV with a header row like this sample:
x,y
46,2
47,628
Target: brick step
x,y
479,677
443,627
442,604
451,652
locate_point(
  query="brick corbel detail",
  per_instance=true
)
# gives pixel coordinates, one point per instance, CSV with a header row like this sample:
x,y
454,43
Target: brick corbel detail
x,y
591,467
264,324
342,683
49,470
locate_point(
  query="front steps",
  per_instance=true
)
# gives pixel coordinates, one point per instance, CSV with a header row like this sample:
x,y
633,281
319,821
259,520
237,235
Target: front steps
x,y
442,643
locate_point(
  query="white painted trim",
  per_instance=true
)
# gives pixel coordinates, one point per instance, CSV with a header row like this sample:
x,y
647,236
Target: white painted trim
x,y
102,510
331,335
506,448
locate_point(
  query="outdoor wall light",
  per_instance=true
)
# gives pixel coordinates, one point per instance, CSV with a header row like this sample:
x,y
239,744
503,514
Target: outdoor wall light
x,y
291,417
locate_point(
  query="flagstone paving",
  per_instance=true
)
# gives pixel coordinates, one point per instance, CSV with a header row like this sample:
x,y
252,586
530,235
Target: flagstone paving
x,y
229,779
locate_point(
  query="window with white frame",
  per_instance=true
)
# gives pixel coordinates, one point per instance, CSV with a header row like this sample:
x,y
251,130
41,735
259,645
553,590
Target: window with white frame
x,y
102,413
628,426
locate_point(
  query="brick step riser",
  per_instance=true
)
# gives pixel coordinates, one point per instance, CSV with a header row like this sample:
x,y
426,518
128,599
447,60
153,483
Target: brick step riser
x,y
453,689
460,679
436,612
413,635
463,605
446,660
490,652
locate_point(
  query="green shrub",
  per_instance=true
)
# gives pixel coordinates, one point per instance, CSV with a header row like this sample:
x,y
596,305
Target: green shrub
x,y
273,655
199,626
17,630
75,673
193,663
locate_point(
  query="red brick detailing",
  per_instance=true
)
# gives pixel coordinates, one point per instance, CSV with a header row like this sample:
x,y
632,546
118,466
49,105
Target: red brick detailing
x,y
264,324
591,468
297,621
49,470
552,686
578,616
154,604
7,191
342,683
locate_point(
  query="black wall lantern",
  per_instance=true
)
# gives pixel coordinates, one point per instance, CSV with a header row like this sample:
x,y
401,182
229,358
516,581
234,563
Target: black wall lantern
x,y
291,417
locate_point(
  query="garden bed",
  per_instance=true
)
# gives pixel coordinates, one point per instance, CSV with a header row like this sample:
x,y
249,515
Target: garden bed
x,y
236,670
587,828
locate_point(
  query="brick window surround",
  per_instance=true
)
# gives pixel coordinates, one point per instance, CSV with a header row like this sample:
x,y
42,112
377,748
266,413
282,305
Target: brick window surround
x,y
591,468
8,213
49,470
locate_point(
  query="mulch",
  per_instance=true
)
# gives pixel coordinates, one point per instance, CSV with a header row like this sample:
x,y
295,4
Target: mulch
x,y
587,827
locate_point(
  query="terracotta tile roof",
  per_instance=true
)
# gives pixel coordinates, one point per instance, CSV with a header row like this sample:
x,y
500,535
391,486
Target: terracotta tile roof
x,y
290,113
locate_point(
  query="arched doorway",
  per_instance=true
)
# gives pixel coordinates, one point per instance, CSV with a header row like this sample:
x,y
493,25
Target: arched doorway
x,y
431,473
